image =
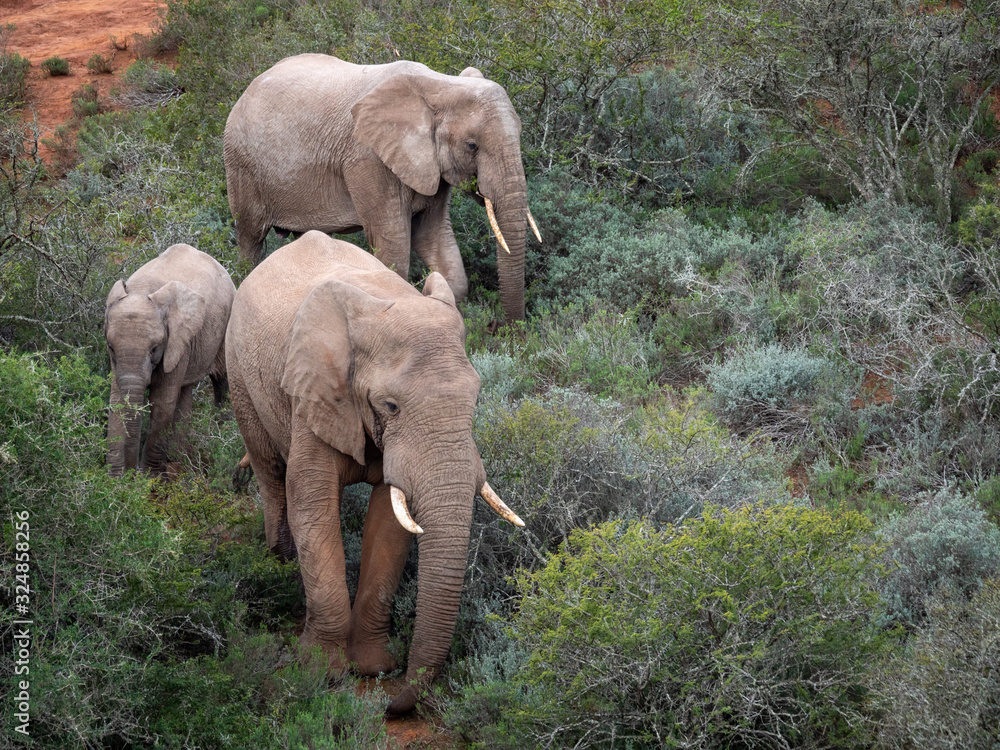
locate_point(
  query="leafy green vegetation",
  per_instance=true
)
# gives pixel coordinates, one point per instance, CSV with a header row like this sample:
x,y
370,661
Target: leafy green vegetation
x,y
738,625
751,420
56,66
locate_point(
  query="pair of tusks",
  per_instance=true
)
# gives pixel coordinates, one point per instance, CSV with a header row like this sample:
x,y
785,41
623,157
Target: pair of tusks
x,y
406,520
491,215
491,498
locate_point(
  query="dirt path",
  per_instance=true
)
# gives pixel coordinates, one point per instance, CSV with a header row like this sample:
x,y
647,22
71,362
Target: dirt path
x,y
75,30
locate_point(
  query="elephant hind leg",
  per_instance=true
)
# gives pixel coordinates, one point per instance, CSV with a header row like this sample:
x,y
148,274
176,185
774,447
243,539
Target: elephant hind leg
x,y
220,388
267,465
219,377
250,234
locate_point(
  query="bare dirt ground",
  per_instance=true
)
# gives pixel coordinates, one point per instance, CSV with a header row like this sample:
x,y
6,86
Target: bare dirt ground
x,y
75,30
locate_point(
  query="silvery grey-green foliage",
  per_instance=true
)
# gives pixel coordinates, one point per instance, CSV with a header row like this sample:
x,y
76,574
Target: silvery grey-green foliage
x,y
943,690
770,389
501,376
146,84
605,352
565,460
945,542
672,133
647,265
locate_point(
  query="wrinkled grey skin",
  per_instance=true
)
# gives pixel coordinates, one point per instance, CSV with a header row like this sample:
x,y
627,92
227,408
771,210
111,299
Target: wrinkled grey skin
x,y
341,372
165,328
320,143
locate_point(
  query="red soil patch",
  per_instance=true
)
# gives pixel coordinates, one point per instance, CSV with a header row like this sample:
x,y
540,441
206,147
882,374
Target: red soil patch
x,y
73,30
874,390
409,732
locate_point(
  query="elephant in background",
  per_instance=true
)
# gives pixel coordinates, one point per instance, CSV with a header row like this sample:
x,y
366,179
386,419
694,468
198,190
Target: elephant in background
x,y
319,143
341,372
165,329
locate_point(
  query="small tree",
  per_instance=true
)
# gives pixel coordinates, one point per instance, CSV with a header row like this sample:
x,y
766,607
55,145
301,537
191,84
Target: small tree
x,y
880,89
745,628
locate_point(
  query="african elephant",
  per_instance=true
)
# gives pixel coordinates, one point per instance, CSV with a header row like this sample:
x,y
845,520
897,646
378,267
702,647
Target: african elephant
x,y
341,372
319,143
165,329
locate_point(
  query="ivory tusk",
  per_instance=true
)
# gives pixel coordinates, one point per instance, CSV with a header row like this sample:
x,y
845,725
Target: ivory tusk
x,y
493,500
534,227
402,514
245,461
493,223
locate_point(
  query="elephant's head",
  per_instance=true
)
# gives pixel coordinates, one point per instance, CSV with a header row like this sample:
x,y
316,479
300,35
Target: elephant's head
x,y
428,128
144,331
367,373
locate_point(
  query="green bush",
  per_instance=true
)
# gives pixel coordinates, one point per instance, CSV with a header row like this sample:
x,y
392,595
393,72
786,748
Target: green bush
x,y
85,102
564,460
770,389
980,166
338,721
987,495
944,542
589,347
13,71
743,627
98,64
146,84
943,691
144,587
56,66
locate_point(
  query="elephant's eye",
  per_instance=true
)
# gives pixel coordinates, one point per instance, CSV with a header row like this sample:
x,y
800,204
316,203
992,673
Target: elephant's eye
x,y
472,146
391,407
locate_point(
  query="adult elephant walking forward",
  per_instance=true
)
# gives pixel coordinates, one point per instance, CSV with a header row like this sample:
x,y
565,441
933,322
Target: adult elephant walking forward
x,y
319,143
341,372
165,329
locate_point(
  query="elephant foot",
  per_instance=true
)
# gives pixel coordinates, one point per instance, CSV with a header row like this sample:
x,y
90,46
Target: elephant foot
x,y
403,703
371,660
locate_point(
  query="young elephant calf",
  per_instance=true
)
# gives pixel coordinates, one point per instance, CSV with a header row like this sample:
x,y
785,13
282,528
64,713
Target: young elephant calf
x,y
166,330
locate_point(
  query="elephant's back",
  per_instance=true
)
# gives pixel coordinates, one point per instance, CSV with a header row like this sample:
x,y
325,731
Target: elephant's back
x,y
320,257
302,86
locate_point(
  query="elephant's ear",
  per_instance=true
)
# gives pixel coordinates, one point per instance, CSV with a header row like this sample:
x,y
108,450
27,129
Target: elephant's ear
x,y
185,315
437,287
471,72
117,293
395,122
319,368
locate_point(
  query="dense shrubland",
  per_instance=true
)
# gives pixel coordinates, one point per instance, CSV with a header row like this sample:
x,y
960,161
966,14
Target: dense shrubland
x,y
751,421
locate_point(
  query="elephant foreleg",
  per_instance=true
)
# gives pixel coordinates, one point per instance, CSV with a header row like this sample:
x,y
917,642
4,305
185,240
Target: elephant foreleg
x,y
384,548
434,242
313,485
383,205
163,403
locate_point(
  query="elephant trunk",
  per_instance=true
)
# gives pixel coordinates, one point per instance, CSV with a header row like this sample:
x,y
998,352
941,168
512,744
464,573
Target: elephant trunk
x,y
125,424
512,216
505,187
445,514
